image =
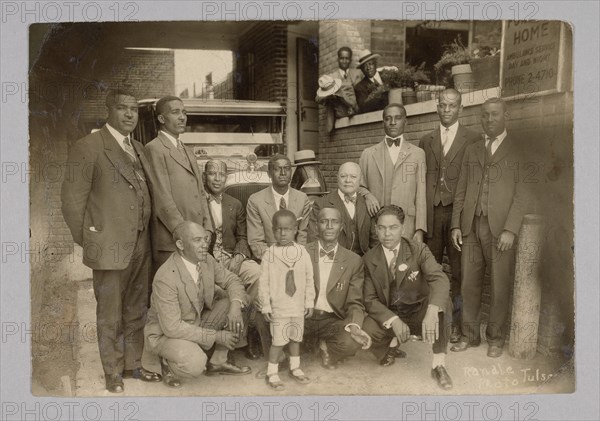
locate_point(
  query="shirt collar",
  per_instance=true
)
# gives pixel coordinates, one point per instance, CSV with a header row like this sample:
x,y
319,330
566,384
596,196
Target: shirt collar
x,y
452,129
116,134
377,77
342,195
191,267
170,137
499,138
390,251
279,196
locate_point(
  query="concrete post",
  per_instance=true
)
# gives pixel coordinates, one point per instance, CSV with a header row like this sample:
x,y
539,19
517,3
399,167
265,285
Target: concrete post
x,y
527,290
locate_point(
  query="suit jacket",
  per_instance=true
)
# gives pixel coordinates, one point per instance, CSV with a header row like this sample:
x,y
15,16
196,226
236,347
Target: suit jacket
x,y
354,76
507,200
408,183
345,283
177,302
431,143
235,239
362,219
179,192
99,200
430,280
259,214
371,97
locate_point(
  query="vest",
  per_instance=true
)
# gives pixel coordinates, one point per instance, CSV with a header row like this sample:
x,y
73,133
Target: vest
x,y
353,241
442,194
482,200
141,190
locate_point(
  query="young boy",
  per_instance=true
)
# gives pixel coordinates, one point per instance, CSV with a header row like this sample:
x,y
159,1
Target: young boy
x,y
286,292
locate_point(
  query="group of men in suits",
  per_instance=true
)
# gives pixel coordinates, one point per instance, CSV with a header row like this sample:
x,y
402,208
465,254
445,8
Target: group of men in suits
x,y
452,193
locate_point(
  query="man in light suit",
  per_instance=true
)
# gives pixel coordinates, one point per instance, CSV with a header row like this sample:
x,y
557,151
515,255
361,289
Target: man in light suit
x,y
179,192
106,202
339,310
393,173
444,149
260,209
406,293
344,71
489,206
262,206
186,319
355,232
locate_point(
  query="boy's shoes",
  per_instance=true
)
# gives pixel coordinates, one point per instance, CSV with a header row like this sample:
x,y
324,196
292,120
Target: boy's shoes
x,y
299,376
274,381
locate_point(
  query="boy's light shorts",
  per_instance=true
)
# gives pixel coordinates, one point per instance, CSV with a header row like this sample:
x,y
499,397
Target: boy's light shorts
x,y
286,329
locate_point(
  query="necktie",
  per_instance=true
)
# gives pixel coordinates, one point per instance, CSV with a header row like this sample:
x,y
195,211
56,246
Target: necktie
x,y
199,274
345,73
445,141
290,285
181,149
282,204
217,198
393,141
393,264
128,147
330,254
348,199
489,147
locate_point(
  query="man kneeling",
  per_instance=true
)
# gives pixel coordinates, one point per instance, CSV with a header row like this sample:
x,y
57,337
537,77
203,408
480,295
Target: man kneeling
x,y
184,320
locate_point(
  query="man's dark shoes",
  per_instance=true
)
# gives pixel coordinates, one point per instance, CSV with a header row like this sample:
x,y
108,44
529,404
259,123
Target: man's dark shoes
x,y
455,334
389,358
397,352
494,351
114,383
463,346
168,377
227,369
442,377
142,374
327,360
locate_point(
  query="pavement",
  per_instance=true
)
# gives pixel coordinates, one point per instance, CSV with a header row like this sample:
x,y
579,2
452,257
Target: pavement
x,y
472,372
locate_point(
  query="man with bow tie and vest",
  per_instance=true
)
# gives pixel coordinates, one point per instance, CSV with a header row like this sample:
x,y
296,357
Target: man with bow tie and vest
x,y
106,203
406,295
372,91
355,232
179,193
229,243
187,320
489,206
393,173
444,150
336,322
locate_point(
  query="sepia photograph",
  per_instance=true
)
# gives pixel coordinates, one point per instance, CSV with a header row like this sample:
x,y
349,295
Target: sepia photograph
x,y
301,207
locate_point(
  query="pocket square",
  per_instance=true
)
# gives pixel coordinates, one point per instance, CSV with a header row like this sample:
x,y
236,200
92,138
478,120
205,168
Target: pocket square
x,y
413,276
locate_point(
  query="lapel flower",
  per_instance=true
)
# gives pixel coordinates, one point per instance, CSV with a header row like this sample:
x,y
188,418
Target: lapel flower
x,y
413,276
402,267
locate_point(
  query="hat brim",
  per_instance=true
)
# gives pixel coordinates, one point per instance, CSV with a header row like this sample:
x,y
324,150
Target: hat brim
x,y
305,163
337,83
367,59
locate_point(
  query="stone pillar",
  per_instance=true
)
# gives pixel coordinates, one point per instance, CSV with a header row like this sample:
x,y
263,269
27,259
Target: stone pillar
x,y
527,290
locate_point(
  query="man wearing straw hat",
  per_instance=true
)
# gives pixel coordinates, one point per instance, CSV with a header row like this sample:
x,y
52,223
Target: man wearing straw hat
x,y
372,91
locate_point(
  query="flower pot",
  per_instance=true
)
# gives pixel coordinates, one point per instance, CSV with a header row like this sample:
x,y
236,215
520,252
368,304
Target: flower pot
x,y
395,96
463,77
486,71
426,92
409,96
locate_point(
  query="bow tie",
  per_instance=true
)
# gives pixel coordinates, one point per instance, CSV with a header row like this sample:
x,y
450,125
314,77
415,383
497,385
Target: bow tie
x,y
348,199
393,140
217,199
330,254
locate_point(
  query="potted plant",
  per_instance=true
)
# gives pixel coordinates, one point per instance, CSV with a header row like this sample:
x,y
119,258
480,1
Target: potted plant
x,y
454,64
403,82
485,61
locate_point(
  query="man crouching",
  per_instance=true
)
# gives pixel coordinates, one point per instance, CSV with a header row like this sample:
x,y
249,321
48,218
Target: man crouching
x,y
185,320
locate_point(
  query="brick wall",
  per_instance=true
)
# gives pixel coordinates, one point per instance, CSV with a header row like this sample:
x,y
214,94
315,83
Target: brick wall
x,y
387,39
546,127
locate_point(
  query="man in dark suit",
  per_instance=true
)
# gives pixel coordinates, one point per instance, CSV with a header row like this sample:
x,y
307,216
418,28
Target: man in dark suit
x,y
355,234
229,243
106,203
179,191
372,91
186,318
406,293
444,149
339,310
489,206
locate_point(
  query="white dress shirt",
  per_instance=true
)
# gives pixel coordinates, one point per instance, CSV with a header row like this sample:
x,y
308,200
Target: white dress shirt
x,y
173,140
278,197
350,207
121,140
451,133
191,267
325,265
394,150
497,142
377,78
217,212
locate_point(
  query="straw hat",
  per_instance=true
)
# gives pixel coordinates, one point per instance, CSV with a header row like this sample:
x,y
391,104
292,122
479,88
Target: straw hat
x,y
305,157
365,56
328,85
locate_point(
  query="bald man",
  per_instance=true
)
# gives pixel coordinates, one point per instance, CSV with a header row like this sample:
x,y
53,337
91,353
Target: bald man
x,y
356,234
185,319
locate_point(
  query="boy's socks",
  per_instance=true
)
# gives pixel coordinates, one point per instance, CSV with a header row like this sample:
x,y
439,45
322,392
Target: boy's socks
x,y
272,369
294,363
